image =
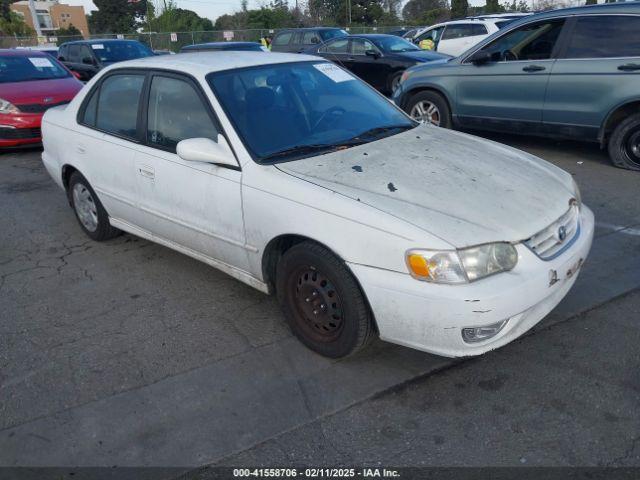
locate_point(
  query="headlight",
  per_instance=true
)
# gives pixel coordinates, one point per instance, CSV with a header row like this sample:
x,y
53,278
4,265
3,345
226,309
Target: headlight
x,y
7,107
461,266
576,192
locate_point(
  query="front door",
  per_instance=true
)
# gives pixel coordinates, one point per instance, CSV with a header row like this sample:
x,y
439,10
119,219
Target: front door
x,y
598,69
365,61
507,93
196,205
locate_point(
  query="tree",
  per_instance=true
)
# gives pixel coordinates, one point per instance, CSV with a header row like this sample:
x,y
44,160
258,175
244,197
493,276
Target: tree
x,y
460,8
179,20
493,6
117,16
416,10
14,25
591,2
68,34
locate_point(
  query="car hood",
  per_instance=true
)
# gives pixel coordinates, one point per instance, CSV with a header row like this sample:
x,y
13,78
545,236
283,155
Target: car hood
x,y
460,188
426,56
57,90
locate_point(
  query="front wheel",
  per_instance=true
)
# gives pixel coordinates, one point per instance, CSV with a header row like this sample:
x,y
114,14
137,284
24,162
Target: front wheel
x,y
624,144
429,107
322,302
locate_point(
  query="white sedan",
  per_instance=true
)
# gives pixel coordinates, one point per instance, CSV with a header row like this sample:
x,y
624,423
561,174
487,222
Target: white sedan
x,y
293,176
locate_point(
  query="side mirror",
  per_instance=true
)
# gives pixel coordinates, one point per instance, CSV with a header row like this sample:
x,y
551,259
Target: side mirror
x,y
88,61
480,57
207,151
372,53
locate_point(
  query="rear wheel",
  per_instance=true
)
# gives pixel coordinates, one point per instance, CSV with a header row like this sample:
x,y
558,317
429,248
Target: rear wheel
x,y
429,107
322,302
91,215
624,144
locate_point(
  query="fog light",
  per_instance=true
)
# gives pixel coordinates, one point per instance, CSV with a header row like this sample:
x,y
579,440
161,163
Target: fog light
x,y
479,334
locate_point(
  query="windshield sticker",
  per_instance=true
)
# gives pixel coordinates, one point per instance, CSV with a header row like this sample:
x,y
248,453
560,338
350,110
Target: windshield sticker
x,y
97,46
333,72
41,62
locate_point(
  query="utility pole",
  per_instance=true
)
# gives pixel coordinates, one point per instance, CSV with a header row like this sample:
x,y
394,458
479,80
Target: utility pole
x,y
34,16
349,12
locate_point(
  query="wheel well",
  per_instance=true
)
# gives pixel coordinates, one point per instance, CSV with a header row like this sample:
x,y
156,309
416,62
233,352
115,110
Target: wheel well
x,y
67,171
416,90
617,116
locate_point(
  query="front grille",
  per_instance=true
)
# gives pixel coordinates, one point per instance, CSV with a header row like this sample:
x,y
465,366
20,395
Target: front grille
x,y
39,107
547,243
19,133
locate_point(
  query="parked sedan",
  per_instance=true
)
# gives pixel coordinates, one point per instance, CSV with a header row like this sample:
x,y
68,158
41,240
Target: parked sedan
x,y
31,82
377,59
222,46
293,176
544,75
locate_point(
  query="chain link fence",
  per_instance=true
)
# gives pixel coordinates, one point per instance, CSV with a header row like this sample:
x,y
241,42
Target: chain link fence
x,y
173,41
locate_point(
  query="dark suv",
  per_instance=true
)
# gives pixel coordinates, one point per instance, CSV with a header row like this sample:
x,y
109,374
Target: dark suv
x,y
300,39
88,57
572,73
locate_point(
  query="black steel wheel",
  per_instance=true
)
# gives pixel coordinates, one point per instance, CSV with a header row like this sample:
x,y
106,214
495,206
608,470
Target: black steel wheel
x,y
322,301
624,144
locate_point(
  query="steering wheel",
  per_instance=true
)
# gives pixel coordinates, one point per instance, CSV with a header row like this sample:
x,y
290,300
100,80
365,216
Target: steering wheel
x,y
509,56
332,111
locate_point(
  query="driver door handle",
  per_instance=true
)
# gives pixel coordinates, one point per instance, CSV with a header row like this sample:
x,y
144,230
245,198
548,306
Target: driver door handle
x,y
533,68
629,67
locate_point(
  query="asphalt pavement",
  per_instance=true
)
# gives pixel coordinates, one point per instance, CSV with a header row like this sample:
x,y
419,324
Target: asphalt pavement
x,y
127,353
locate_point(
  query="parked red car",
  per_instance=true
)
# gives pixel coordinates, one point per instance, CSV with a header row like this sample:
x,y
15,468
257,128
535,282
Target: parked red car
x,y
31,82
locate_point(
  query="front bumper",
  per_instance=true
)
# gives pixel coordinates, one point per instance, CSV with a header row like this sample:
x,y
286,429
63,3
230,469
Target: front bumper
x,y
430,317
21,129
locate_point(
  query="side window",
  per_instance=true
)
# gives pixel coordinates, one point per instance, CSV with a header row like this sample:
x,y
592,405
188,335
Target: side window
x,y
74,54
605,37
337,46
91,110
117,110
359,46
176,112
433,34
529,42
478,29
85,53
283,39
458,31
310,38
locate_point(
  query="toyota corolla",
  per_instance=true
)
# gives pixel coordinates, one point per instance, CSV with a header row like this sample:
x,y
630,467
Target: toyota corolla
x,y
293,176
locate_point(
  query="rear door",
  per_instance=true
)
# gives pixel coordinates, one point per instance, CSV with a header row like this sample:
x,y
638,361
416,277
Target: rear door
x,y
336,51
508,92
598,70
459,37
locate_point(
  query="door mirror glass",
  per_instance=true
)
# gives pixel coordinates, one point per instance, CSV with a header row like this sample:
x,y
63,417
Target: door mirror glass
x,y
480,57
207,151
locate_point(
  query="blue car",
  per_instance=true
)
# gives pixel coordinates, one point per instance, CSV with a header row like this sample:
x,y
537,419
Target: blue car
x,y
571,73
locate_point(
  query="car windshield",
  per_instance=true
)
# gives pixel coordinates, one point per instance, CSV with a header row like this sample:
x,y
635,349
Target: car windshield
x,y
395,44
329,34
120,51
289,111
23,69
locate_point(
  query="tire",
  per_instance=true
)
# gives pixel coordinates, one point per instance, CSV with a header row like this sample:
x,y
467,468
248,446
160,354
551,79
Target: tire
x,y
394,81
429,100
624,144
322,301
90,213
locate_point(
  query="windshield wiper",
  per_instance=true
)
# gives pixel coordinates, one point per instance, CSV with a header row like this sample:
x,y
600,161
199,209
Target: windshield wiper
x,y
299,150
375,132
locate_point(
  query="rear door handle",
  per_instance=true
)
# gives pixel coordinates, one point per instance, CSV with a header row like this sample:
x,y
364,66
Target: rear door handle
x,y
629,67
533,68
146,171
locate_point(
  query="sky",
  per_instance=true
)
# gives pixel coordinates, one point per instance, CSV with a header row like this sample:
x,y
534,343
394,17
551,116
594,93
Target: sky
x,y
211,9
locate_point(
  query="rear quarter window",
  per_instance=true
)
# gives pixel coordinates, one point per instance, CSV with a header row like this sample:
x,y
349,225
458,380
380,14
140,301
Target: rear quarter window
x,y
605,36
283,39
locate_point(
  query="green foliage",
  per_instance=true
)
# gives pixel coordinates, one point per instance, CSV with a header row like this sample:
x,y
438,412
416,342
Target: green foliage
x,y
425,12
14,25
591,2
437,15
460,8
493,6
117,16
68,34
179,20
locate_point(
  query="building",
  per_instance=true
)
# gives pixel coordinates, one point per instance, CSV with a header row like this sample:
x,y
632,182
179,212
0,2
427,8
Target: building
x,y
53,15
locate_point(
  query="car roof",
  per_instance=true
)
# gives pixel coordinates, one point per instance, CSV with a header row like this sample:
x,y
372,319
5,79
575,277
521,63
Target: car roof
x,y
14,52
104,40
202,63
618,7
372,36
221,44
308,29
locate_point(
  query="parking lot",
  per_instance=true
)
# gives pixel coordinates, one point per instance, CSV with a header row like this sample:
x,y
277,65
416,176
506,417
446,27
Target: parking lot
x,y
127,353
